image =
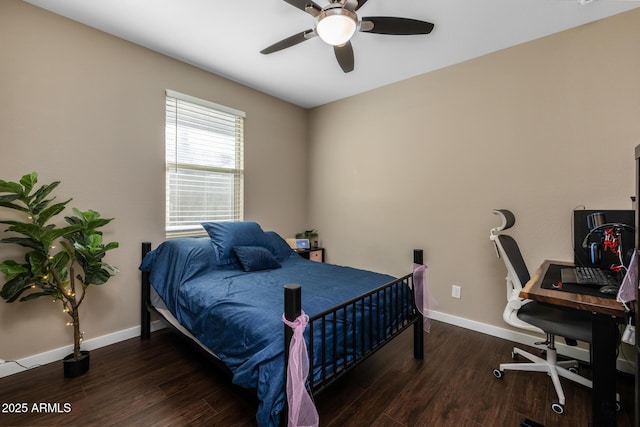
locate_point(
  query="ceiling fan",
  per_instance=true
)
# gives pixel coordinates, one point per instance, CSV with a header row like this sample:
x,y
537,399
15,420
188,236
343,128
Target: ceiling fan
x,y
337,23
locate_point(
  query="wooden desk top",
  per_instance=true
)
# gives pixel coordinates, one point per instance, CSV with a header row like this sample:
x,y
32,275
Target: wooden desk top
x,y
533,291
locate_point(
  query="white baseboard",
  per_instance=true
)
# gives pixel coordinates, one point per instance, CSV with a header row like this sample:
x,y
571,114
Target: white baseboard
x,y
11,367
582,354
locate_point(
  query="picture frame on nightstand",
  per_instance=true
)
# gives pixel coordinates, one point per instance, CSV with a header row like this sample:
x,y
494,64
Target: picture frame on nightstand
x,y
302,244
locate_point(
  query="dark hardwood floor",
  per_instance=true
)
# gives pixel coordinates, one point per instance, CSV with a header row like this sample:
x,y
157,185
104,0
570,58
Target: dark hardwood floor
x,y
162,382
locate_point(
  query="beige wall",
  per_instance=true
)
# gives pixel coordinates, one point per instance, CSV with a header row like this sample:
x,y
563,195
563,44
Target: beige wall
x,y
540,129
87,109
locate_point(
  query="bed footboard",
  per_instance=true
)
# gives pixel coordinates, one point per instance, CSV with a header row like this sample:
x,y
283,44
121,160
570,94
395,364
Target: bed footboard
x,y
356,329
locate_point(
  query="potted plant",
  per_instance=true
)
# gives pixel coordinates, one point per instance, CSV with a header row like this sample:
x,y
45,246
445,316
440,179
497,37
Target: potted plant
x,y
60,261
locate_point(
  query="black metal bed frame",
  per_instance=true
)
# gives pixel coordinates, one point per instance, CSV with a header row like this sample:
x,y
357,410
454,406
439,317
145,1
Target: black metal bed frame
x,y
399,293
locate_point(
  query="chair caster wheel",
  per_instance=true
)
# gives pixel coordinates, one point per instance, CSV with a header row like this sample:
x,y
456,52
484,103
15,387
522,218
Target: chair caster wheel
x,y
514,355
557,408
573,369
498,373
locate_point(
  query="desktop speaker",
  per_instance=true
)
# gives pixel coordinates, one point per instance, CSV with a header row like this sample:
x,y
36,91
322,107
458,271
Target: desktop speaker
x,y
595,253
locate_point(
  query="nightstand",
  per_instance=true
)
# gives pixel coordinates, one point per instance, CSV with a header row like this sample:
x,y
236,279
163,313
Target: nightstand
x,y
313,254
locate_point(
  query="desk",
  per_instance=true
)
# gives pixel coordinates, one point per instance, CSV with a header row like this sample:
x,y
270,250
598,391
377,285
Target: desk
x,y
607,313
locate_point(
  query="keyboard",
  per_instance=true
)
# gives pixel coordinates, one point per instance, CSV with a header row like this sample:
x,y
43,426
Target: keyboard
x,y
595,276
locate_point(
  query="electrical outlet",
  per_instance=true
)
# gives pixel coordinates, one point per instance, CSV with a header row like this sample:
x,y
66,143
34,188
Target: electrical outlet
x,y
455,291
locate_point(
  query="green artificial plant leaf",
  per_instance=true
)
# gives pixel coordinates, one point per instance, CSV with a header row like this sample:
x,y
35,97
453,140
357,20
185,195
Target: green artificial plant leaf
x,y
12,269
46,214
38,197
28,181
14,288
10,187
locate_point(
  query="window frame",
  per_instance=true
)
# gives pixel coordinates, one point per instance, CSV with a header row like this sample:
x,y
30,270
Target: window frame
x,y
181,141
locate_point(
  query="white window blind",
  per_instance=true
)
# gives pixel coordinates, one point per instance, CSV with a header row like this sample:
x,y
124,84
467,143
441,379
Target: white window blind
x,y
204,163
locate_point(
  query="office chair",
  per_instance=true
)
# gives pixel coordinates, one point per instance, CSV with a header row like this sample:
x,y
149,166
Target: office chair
x,y
536,317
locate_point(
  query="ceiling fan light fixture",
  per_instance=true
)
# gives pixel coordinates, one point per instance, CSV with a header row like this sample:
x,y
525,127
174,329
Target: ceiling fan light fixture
x,y
336,26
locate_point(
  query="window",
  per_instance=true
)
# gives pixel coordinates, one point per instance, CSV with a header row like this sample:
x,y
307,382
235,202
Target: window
x,y
204,163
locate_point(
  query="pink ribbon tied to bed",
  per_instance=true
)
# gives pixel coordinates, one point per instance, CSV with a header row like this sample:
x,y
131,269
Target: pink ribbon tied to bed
x,y
302,411
424,301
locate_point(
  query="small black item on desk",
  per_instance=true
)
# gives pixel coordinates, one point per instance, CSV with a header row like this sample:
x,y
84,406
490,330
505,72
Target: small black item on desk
x,y
609,290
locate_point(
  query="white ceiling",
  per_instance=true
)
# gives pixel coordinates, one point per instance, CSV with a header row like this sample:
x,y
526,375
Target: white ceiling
x,y
225,37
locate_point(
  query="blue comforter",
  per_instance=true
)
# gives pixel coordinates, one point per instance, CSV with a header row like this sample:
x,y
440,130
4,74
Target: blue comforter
x,y
238,315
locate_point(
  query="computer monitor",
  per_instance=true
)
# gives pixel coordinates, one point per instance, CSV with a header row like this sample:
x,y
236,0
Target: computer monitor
x,y
591,252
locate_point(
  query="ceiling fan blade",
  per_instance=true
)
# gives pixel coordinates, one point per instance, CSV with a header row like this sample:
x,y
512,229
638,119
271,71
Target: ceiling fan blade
x,y
344,55
306,5
395,26
360,4
289,41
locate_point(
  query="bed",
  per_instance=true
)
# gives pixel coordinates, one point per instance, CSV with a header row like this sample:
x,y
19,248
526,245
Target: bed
x,y
225,293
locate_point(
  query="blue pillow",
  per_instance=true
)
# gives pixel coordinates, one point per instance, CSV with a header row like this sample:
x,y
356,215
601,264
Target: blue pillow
x,y
226,235
254,258
278,246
